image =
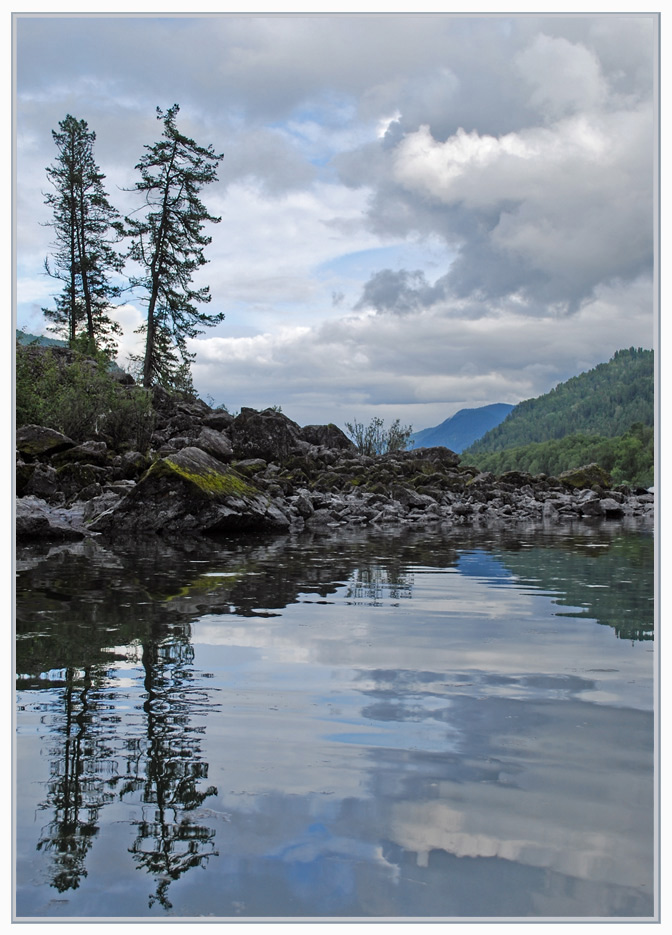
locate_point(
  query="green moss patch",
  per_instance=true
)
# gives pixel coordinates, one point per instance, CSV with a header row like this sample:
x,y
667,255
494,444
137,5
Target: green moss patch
x,y
204,474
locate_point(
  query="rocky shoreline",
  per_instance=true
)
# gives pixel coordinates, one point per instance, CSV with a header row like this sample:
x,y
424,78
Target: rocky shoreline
x,y
210,473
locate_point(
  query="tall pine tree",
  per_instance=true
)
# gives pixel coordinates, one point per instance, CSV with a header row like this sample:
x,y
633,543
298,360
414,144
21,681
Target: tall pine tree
x,y
86,226
167,242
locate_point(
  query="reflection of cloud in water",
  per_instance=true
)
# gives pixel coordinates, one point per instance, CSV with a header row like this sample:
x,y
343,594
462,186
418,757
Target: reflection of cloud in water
x,y
319,843
465,750
453,623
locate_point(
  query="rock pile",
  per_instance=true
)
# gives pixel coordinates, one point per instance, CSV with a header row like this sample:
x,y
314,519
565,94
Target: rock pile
x,y
209,472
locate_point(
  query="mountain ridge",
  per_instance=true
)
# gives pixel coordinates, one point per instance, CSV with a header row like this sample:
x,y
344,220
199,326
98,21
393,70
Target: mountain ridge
x,y
463,428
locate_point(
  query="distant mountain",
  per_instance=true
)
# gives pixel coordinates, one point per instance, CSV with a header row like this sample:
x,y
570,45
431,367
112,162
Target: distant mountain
x,y
462,429
24,338
605,401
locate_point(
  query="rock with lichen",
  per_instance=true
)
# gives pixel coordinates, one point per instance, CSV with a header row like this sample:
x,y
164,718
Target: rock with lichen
x,y
191,492
589,475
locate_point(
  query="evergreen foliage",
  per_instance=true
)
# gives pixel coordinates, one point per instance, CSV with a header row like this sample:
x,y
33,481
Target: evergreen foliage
x,y
167,243
628,457
604,401
625,563
85,226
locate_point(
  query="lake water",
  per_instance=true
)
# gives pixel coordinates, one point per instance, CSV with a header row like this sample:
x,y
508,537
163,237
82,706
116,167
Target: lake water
x,y
398,725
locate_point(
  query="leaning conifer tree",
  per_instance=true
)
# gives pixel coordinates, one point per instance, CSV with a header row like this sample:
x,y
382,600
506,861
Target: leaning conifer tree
x,y
86,227
167,243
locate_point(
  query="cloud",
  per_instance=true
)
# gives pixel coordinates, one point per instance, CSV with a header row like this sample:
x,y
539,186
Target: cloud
x,y
549,209
566,77
453,356
267,156
550,212
399,291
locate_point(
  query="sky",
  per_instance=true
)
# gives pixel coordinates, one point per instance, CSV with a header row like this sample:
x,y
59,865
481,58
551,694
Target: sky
x,y
419,213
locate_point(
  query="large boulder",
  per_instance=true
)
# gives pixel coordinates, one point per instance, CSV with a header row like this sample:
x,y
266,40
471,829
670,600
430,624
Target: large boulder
x,y
190,492
73,478
589,475
89,452
38,480
327,436
36,520
38,441
268,434
218,420
214,443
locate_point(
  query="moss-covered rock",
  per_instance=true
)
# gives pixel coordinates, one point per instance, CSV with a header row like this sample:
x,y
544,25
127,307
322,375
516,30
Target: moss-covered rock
x,y
250,467
199,474
38,441
586,477
191,493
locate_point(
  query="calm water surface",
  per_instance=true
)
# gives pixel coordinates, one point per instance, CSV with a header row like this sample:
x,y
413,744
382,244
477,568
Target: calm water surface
x,y
353,725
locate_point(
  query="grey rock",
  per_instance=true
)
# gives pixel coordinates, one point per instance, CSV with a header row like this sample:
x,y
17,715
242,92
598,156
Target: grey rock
x,y
97,505
190,492
215,443
132,465
268,434
218,420
35,519
590,506
37,441
327,436
611,507
303,505
43,482
89,452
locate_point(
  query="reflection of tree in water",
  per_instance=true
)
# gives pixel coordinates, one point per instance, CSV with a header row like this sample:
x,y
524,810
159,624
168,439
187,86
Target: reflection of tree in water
x,y
82,777
165,767
609,577
63,624
372,583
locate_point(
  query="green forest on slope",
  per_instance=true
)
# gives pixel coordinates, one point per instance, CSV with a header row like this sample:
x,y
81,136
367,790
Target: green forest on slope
x,y
604,415
628,457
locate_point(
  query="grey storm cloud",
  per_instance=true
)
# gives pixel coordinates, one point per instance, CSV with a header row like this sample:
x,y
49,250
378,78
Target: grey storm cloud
x,y
546,205
400,291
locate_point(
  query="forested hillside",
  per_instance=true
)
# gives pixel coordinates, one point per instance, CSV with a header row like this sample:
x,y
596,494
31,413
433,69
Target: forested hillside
x,y
628,458
604,415
604,401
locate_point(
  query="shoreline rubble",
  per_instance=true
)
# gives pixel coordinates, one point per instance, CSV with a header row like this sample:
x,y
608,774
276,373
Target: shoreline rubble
x,y
210,473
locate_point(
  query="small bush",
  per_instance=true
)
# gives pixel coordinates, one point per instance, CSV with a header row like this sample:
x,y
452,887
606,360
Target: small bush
x,y
375,439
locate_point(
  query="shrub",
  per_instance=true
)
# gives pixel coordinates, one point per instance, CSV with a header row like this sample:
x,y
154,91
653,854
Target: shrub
x,y
374,439
77,395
